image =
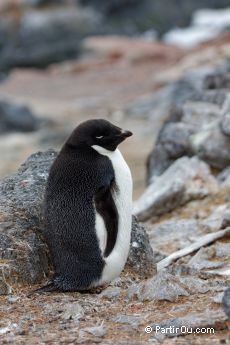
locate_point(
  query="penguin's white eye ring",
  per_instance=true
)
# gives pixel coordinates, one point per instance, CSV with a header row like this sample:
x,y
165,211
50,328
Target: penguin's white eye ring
x,y
100,137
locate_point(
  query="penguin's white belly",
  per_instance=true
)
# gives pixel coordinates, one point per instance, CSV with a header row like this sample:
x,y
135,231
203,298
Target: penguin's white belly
x,y
115,262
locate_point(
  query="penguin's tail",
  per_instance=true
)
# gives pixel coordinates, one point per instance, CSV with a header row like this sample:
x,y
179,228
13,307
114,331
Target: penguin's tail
x,y
47,288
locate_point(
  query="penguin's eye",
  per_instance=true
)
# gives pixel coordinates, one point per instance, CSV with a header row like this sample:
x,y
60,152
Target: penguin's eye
x,y
100,137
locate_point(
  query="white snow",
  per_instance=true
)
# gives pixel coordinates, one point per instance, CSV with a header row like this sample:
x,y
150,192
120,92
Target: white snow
x,y
206,24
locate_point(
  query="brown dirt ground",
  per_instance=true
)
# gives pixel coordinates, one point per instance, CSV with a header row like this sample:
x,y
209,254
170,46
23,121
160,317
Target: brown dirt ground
x,y
38,324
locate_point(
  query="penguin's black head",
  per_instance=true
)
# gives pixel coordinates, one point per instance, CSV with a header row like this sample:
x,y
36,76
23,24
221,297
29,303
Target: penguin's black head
x,y
98,132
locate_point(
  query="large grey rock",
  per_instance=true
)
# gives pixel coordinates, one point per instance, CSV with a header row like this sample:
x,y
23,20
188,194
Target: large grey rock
x,y
202,259
225,123
218,219
165,286
42,37
224,178
225,120
24,257
141,258
197,132
222,250
174,234
226,302
212,146
187,179
211,141
201,126
217,81
176,145
16,118
199,114
172,143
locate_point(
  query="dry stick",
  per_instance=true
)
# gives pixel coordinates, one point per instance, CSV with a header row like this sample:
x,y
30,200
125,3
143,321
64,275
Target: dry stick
x,y
202,241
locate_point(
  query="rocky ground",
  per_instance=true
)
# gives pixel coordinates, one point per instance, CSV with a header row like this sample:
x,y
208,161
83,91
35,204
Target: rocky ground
x,y
187,294
177,105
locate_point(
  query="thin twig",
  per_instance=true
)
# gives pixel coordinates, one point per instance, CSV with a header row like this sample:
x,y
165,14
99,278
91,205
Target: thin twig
x,y
201,242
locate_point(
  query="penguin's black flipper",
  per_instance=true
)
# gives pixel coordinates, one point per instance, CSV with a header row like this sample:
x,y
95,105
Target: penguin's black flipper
x,y
47,288
106,207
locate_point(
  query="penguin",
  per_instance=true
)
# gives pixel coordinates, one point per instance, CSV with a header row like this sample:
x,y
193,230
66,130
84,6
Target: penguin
x,y
88,208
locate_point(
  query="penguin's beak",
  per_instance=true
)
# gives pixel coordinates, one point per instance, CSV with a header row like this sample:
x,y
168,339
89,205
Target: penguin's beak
x,y
125,134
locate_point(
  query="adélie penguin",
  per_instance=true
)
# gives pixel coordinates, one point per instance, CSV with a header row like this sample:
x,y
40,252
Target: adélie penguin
x,y
88,208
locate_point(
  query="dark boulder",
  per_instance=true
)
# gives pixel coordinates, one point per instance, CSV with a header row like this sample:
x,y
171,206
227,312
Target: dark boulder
x,y
141,256
16,118
39,38
24,256
140,15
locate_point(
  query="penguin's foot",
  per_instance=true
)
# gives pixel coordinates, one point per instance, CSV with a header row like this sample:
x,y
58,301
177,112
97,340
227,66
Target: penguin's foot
x,y
52,288
98,289
47,288
90,291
